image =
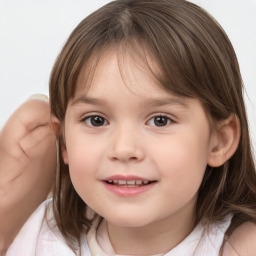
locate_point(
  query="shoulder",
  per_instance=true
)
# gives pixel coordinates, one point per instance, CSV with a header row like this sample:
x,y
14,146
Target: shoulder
x,y
242,242
26,240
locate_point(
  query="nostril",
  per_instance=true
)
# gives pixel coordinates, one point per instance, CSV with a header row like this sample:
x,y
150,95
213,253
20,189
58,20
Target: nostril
x,y
133,158
125,148
126,155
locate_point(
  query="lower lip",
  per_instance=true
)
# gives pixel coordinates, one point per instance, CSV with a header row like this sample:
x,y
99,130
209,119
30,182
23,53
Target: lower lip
x,y
128,191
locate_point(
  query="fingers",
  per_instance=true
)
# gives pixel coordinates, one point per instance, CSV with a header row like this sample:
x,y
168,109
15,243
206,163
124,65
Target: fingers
x,y
27,138
29,116
38,141
32,113
27,145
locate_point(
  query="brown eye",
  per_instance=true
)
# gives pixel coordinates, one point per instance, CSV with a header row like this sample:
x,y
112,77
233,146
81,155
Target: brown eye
x,y
95,121
159,121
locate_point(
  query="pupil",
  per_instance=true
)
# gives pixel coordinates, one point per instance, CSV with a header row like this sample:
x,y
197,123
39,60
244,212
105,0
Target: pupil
x,y
97,121
160,121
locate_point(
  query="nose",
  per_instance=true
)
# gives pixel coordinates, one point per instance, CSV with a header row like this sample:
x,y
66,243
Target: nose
x,y
126,145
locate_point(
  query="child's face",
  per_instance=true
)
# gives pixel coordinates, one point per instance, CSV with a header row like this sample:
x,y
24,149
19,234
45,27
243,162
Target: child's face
x,y
136,154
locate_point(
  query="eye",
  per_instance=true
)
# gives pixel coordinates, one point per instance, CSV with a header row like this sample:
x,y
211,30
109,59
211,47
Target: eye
x,y
95,121
159,121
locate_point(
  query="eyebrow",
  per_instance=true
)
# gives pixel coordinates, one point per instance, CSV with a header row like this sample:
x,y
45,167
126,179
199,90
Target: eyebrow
x,y
157,102
87,100
152,102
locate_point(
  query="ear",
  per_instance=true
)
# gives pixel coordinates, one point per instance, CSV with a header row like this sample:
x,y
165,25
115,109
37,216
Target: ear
x,y
225,141
64,154
55,124
60,132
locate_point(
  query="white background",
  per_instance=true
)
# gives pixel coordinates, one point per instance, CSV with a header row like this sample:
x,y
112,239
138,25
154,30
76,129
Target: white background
x,y
32,33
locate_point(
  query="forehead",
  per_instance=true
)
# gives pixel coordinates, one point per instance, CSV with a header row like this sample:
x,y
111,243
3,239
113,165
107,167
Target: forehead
x,y
121,81
135,69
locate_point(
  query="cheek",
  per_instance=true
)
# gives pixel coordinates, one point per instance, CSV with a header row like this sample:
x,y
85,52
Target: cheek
x,y
81,169
183,162
80,159
84,165
84,156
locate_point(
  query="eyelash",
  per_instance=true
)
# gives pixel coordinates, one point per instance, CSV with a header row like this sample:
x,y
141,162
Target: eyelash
x,y
167,119
99,117
100,121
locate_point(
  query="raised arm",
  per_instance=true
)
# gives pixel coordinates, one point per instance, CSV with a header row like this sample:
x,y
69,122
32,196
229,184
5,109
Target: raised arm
x,y
27,166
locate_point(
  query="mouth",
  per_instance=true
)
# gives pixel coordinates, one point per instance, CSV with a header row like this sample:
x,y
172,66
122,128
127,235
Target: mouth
x,y
128,186
129,183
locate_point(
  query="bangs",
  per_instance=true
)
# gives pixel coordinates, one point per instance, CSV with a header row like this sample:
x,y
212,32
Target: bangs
x,y
132,53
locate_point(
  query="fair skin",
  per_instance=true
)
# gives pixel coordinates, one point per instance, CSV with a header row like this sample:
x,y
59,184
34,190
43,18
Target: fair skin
x,y
242,241
128,128
27,166
29,128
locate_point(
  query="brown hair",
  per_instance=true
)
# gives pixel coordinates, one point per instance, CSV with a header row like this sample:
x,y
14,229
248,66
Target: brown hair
x,y
195,59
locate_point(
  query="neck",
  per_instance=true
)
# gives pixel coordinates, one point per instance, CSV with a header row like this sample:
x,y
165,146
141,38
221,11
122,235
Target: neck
x,y
157,237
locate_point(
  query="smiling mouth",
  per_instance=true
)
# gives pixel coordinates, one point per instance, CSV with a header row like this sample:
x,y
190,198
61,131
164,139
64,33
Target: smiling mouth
x,y
129,183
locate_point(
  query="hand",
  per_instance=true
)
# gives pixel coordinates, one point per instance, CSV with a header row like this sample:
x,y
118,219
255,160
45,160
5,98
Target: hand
x,y
27,165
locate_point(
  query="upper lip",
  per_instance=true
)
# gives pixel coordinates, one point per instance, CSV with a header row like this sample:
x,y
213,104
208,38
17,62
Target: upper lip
x,y
126,178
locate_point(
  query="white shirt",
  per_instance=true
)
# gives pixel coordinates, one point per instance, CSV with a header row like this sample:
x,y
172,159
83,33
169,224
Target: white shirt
x,y
36,238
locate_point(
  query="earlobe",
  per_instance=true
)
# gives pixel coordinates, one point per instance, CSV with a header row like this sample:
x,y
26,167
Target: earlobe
x,y
63,147
225,141
64,155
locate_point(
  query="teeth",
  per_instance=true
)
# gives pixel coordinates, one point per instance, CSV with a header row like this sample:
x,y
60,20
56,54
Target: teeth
x,y
131,182
128,183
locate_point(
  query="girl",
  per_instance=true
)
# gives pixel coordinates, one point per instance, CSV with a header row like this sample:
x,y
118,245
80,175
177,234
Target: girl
x,y
156,157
